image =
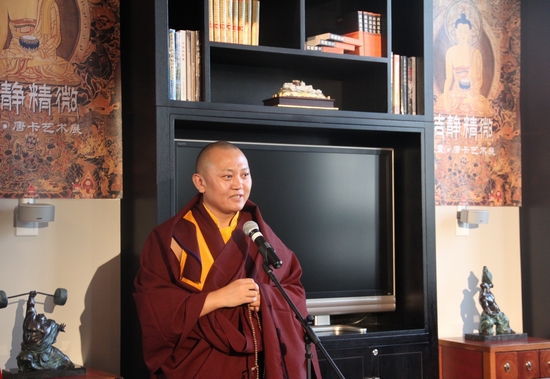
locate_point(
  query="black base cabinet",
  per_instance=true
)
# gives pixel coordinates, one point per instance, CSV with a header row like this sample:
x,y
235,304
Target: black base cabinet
x,y
368,359
234,81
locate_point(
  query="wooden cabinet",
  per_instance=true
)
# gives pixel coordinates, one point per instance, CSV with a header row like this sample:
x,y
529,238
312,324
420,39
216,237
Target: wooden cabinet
x,y
519,359
235,79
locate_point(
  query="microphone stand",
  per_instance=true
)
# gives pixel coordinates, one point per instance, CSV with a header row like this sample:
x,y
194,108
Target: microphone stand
x,y
310,336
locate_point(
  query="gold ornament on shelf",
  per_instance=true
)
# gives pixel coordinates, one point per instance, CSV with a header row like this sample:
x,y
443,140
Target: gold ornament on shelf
x,y
298,94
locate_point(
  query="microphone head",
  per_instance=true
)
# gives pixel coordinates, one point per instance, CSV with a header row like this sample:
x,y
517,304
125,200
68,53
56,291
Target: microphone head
x,y
249,227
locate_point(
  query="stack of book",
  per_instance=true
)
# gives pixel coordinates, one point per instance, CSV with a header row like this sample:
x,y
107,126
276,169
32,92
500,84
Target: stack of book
x,y
234,21
184,65
333,43
365,26
407,85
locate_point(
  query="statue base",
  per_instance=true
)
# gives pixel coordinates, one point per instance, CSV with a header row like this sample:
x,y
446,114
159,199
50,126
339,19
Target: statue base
x,y
496,337
43,374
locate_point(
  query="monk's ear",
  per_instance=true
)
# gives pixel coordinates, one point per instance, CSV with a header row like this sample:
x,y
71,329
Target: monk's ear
x,y
198,181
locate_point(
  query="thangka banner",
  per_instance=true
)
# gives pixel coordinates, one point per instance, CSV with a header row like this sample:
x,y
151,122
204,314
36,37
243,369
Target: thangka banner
x,y
60,120
476,108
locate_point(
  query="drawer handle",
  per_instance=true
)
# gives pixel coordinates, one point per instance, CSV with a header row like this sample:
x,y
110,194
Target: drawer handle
x,y
507,367
529,366
375,353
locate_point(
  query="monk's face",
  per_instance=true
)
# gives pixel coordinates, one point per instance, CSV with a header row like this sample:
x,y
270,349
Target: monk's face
x,y
224,181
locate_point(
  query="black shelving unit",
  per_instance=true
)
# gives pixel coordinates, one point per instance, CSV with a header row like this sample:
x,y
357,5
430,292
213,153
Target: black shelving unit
x,y
235,80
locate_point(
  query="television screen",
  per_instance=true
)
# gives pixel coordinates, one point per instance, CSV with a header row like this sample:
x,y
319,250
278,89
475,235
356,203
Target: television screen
x,y
333,206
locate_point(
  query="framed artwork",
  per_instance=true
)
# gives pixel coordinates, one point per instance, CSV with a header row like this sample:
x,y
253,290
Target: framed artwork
x,y
476,102
60,116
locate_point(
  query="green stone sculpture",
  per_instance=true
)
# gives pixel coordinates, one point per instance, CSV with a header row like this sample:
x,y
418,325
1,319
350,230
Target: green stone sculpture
x,y
492,318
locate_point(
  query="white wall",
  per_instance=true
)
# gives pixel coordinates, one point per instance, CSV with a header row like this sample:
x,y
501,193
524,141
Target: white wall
x,y
79,251
460,261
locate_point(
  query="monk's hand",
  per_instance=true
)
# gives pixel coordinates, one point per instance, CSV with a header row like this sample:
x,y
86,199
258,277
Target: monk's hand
x,y
255,306
241,291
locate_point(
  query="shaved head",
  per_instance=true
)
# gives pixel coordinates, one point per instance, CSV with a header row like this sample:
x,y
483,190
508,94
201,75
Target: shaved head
x,y
204,159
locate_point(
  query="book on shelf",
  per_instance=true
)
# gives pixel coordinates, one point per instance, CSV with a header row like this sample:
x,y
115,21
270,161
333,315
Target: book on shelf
x,y
345,43
363,26
403,83
234,21
216,19
419,85
247,22
223,19
330,49
172,64
242,15
395,86
181,56
326,36
211,20
411,85
255,37
407,84
312,48
184,65
321,42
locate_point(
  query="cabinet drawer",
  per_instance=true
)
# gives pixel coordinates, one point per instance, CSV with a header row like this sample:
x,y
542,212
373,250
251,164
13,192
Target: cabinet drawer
x,y
528,364
544,363
506,365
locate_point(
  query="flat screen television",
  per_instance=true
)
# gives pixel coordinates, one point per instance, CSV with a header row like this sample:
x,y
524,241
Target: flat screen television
x,y
333,206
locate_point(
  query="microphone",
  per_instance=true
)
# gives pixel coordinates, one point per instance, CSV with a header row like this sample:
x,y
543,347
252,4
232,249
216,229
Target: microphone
x,y
252,230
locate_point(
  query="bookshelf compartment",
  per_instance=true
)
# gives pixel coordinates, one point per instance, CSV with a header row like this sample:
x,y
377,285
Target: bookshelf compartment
x,y
354,84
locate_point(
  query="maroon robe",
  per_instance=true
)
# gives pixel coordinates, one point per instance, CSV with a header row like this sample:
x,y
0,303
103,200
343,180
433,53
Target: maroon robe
x,y
179,344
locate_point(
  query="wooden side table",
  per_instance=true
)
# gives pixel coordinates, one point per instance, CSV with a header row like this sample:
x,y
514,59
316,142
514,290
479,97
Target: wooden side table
x,y
90,374
514,359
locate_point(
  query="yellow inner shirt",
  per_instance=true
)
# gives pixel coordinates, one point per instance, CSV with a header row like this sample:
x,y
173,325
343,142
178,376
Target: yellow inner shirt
x,y
207,260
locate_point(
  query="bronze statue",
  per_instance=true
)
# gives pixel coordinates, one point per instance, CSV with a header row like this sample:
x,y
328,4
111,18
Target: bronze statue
x,y
39,333
492,315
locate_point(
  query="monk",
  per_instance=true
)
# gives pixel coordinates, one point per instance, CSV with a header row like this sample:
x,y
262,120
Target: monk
x,y
207,308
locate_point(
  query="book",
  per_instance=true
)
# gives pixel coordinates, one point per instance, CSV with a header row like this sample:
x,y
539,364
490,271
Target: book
x,y
395,86
411,85
183,64
223,20
172,64
329,49
211,20
235,23
229,21
255,33
197,57
242,17
326,36
312,48
189,66
247,40
419,85
376,34
178,60
216,20
321,42
403,85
